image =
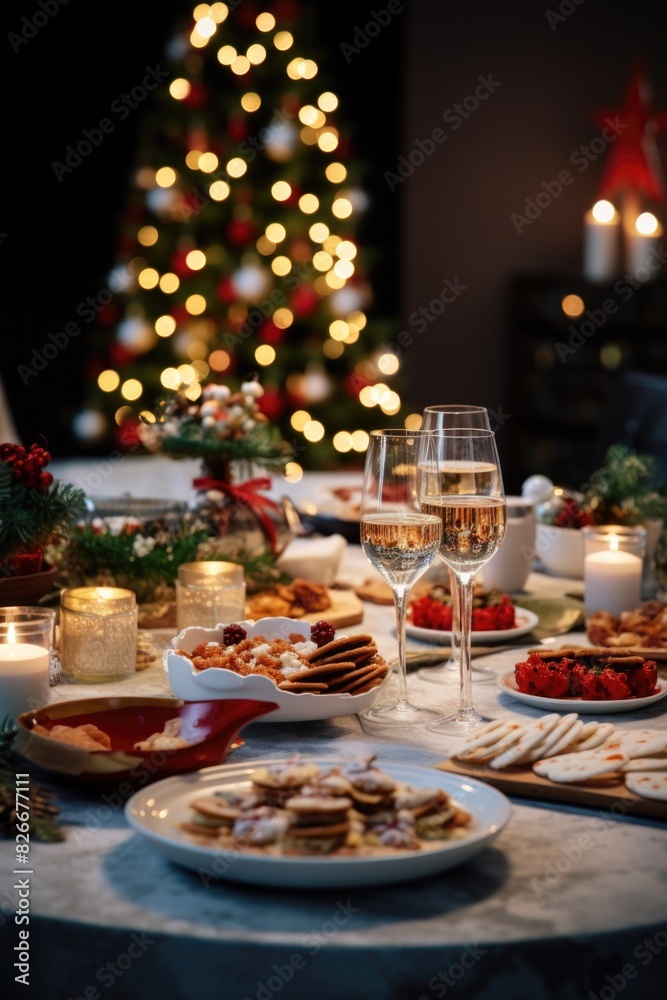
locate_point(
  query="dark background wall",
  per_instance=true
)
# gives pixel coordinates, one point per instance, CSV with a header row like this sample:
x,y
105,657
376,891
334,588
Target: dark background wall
x,y
449,220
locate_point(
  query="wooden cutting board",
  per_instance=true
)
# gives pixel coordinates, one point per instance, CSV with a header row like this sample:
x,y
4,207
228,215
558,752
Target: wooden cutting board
x,y
522,782
345,609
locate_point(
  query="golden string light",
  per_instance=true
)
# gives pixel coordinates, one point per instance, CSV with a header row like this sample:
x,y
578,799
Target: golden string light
x,y
332,256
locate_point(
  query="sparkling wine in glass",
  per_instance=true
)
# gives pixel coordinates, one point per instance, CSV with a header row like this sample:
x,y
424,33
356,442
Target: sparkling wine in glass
x,y
439,418
400,540
473,527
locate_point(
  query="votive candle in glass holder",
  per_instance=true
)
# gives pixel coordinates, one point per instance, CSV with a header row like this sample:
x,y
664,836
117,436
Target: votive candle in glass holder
x,y
26,640
98,634
613,562
209,594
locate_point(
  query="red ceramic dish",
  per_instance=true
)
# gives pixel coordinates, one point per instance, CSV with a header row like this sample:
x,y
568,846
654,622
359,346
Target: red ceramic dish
x,y
210,725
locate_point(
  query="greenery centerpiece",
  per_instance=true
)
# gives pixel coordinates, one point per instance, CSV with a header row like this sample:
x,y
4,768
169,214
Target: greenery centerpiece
x,y
237,446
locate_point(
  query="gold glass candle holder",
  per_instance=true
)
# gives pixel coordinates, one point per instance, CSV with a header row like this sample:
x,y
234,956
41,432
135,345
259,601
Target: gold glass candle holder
x,y
209,594
98,634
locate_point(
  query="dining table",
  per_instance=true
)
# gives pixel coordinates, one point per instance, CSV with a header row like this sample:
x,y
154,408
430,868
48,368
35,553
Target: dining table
x,y
566,903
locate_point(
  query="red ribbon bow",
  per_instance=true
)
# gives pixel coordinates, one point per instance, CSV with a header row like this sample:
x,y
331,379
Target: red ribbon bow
x,y
246,495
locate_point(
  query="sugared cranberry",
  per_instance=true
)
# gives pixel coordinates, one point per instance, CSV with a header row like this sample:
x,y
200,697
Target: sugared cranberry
x,y
322,632
232,634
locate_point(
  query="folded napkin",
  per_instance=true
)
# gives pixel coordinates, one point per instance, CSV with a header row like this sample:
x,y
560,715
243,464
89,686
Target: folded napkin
x,y
313,559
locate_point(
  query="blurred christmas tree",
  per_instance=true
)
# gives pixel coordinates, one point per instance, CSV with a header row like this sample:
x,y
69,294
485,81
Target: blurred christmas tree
x,y
238,251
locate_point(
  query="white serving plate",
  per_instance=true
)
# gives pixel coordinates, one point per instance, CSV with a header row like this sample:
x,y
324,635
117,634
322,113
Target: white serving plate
x,y
507,683
155,813
204,685
527,621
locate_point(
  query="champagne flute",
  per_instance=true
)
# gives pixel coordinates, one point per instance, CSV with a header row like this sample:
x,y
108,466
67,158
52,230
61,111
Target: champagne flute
x,y
400,540
473,520
441,418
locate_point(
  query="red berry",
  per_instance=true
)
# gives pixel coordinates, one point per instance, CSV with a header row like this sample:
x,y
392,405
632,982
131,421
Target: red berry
x,y
45,480
322,632
232,634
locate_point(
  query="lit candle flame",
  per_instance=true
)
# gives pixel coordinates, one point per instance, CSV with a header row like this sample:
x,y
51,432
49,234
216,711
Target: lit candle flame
x,y
613,543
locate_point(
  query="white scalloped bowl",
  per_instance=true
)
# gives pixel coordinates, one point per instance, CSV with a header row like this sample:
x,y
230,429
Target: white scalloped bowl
x,y
215,682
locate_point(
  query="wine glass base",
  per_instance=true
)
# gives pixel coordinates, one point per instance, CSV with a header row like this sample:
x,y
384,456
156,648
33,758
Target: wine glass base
x,y
449,673
459,724
403,714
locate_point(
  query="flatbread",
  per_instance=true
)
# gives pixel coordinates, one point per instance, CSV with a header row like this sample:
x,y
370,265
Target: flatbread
x,y
648,784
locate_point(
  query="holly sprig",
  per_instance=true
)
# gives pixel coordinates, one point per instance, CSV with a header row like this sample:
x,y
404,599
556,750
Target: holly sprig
x,y
33,507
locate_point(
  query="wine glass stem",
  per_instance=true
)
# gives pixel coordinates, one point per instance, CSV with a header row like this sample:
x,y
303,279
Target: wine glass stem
x,y
465,610
400,604
456,616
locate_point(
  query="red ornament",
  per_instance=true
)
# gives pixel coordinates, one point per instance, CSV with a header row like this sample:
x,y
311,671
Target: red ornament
x,y
269,333
305,301
271,404
108,315
237,129
119,355
197,96
178,264
180,314
225,291
240,232
127,435
633,164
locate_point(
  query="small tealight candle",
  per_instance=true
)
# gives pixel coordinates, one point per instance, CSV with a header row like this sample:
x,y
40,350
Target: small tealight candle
x,y
612,578
24,677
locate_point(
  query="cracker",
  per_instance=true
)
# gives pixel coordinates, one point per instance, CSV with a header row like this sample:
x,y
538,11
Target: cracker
x,y
646,764
297,687
597,738
580,766
511,735
337,645
531,737
563,738
362,653
543,749
648,784
489,734
357,678
374,675
638,742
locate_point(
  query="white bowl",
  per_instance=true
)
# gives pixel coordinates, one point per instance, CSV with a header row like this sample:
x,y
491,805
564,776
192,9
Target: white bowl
x,y
207,685
560,550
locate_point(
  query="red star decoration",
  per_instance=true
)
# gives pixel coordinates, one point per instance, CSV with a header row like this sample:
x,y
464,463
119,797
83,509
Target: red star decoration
x,y
633,163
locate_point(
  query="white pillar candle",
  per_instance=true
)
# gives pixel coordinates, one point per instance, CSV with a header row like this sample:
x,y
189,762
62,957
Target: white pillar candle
x,y
643,239
601,242
24,678
612,581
